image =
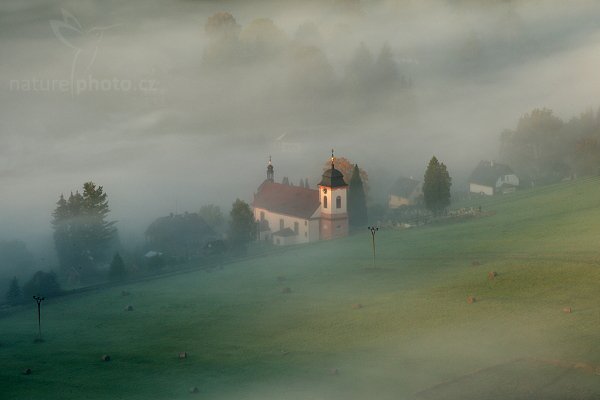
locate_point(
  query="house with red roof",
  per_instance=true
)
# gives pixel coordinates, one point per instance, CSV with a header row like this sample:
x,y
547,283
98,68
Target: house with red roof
x,y
289,214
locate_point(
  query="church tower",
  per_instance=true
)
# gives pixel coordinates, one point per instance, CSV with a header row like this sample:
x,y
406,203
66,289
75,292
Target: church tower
x,y
333,194
270,171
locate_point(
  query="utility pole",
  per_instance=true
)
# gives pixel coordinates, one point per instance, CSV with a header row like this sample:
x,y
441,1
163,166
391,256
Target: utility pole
x,y
39,300
373,230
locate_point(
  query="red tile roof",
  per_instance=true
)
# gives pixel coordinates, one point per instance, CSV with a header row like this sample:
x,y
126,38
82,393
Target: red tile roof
x,y
290,200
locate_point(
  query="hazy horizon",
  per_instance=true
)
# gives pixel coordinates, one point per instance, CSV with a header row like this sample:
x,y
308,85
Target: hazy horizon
x,y
177,127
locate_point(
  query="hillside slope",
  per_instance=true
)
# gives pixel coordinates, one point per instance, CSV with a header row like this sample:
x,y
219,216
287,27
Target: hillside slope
x,y
414,334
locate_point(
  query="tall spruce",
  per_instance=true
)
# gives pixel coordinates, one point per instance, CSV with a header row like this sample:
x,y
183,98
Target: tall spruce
x,y
14,295
357,202
436,187
82,234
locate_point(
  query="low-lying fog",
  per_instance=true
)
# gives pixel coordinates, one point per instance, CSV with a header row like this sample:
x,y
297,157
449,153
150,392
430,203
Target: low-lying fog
x,y
170,110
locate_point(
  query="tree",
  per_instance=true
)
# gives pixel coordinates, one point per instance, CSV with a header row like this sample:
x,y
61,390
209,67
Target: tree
x,y
42,283
242,228
536,148
82,234
357,202
14,295
117,270
223,47
346,167
180,236
213,216
436,187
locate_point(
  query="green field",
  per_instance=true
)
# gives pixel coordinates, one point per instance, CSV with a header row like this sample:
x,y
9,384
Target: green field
x,y
415,337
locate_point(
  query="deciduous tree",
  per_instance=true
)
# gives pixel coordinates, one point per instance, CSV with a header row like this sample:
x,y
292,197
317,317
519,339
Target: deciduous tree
x,y
242,228
346,167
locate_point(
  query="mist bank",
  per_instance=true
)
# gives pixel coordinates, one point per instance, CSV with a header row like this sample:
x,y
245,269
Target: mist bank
x,y
169,111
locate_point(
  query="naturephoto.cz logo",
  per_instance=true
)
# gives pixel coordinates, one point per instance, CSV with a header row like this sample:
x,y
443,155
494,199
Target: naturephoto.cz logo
x,y
85,45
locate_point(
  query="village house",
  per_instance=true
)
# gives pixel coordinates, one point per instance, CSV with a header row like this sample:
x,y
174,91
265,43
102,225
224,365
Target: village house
x,y
295,214
404,192
490,178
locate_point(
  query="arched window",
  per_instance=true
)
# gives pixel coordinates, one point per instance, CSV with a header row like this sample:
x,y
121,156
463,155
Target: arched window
x,y
324,201
338,202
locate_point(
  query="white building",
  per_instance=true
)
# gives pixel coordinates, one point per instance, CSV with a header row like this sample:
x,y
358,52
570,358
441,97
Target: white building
x,y
491,178
294,214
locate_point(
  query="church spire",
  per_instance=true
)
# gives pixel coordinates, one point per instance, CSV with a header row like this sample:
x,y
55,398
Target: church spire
x,y
270,171
332,159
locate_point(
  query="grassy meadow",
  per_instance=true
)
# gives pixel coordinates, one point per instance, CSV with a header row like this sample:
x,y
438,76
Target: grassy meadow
x,y
415,336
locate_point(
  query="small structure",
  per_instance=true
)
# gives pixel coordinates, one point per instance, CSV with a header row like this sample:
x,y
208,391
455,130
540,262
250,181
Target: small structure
x,y
404,192
490,178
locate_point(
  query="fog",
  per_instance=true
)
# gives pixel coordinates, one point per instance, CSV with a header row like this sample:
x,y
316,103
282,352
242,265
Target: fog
x,y
169,114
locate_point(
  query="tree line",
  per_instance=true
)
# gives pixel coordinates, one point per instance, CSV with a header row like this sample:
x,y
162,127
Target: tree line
x,y
543,148
88,248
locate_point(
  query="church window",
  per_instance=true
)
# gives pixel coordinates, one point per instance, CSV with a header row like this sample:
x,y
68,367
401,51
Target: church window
x,y
281,223
262,215
324,201
338,202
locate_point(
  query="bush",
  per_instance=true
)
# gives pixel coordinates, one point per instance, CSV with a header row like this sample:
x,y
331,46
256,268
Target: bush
x,y
43,284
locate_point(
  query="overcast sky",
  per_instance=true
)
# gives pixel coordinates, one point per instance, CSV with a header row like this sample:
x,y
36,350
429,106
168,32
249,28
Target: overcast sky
x,y
141,98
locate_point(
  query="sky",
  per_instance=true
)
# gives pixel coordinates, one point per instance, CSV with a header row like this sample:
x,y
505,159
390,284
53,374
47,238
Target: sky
x,y
169,110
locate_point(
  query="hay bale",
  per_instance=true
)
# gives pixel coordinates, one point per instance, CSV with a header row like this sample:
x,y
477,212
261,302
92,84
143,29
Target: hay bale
x,y
476,263
183,355
585,367
105,358
567,310
357,306
129,308
286,290
471,299
492,275
194,390
125,293
27,371
334,371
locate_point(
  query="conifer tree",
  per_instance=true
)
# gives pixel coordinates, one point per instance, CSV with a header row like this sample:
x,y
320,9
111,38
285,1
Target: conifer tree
x,y
436,187
82,234
357,203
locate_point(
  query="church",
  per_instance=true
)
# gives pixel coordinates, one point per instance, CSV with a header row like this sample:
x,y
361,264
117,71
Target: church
x,y
289,214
